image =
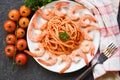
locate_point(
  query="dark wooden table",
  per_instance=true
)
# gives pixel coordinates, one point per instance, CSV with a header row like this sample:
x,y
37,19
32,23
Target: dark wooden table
x,y
32,70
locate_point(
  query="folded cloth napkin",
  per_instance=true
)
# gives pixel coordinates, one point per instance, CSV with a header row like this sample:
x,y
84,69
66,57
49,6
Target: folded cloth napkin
x,y
105,12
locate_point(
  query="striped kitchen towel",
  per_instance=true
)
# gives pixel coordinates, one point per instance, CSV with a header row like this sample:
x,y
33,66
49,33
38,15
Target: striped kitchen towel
x,y
105,12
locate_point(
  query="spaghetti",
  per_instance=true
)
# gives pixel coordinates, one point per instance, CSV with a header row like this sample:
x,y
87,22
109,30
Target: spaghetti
x,y
54,44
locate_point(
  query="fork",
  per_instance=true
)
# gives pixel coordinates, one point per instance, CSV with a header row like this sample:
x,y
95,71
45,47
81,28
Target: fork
x,y
107,53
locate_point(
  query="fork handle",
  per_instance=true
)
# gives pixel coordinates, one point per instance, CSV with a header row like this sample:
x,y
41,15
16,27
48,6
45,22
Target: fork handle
x,y
84,74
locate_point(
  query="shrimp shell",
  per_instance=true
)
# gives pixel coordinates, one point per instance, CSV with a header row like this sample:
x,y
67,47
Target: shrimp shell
x,y
68,61
73,10
85,17
52,59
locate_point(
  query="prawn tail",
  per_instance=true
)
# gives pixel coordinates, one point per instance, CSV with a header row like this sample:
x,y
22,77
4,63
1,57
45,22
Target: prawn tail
x,y
44,62
32,54
84,56
68,64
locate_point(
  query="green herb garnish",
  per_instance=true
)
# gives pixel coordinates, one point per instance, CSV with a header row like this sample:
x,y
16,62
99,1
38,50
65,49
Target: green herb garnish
x,y
34,4
64,36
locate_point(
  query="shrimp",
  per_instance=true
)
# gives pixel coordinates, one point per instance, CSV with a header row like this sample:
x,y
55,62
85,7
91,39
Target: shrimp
x,y
87,30
57,8
36,26
87,36
78,55
84,18
44,26
48,16
36,38
90,28
42,51
87,47
34,21
75,56
73,10
52,59
39,49
84,56
68,61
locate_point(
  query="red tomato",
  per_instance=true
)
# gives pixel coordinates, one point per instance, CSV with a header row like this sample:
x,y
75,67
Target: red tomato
x,y
10,50
23,22
21,44
10,39
25,11
14,14
20,33
21,59
9,26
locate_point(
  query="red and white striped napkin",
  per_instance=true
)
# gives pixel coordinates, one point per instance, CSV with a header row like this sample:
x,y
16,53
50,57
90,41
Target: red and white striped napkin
x,y
105,12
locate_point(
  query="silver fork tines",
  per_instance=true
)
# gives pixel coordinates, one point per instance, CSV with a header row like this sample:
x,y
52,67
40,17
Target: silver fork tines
x,y
110,50
107,53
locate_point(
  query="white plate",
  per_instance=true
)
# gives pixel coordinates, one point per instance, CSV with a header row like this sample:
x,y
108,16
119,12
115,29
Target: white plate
x,y
74,66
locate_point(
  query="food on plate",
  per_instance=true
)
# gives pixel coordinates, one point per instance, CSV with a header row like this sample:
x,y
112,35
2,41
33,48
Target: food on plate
x,y
25,11
36,54
51,13
9,50
21,59
85,17
57,8
67,59
79,53
87,30
21,44
23,22
87,47
20,32
73,10
14,14
56,45
51,59
39,51
61,37
46,16
9,26
10,39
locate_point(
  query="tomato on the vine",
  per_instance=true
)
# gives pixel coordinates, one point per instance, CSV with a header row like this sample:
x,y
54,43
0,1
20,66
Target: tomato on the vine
x,y
10,50
9,26
23,22
21,44
14,14
10,39
20,33
25,11
21,59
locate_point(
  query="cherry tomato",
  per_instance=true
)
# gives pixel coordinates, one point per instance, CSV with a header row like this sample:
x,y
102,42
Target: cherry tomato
x,y
9,26
10,50
25,11
20,33
14,14
10,39
23,22
21,59
21,44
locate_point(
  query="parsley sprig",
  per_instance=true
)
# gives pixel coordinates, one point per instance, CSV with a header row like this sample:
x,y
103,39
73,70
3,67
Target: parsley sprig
x,y
64,36
34,4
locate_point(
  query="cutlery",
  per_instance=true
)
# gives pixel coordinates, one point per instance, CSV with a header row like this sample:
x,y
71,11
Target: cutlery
x,y
107,53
